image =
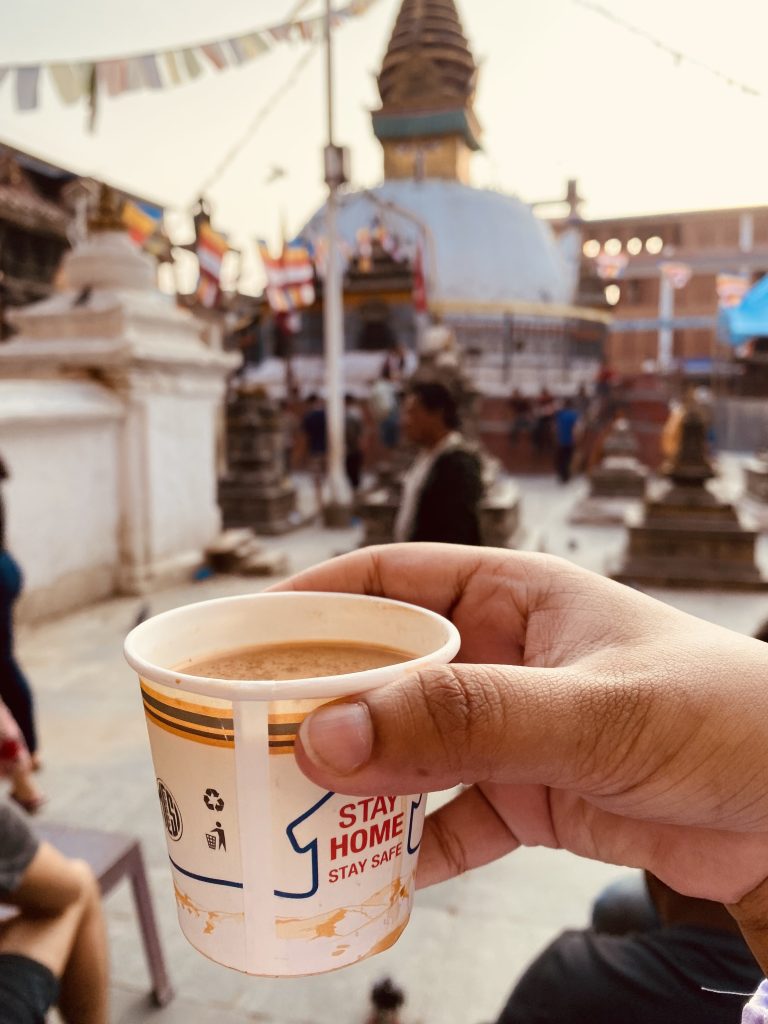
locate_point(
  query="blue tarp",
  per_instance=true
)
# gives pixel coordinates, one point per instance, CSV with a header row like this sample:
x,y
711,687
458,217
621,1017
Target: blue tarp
x,y
750,318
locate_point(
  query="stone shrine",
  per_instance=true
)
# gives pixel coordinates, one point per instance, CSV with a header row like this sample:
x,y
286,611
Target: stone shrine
x,y
110,405
616,483
754,500
756,477
257,491
687,536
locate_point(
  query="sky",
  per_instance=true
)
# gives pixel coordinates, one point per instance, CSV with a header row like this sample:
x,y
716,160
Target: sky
x,y
562,93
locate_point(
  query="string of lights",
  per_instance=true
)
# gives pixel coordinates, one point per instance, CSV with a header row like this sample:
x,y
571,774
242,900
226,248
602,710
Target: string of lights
x,y
677,55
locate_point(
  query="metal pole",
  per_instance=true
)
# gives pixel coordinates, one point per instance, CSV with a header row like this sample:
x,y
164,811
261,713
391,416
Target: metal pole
x,y
338,491
666,332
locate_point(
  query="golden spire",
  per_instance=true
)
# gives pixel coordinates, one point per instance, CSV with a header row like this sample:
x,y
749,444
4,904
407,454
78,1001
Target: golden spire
x,y
108,213
427,86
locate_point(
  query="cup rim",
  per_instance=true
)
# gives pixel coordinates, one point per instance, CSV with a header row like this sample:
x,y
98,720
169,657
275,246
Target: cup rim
x,y
286,689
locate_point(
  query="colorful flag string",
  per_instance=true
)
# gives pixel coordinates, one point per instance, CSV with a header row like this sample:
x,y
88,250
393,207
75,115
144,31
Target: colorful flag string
x,y
167,68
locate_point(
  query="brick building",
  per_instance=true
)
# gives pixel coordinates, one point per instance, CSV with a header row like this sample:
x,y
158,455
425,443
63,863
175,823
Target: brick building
x,y
707,242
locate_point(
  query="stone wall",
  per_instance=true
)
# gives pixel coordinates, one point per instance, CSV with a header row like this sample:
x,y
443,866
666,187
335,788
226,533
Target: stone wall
x,y
60,442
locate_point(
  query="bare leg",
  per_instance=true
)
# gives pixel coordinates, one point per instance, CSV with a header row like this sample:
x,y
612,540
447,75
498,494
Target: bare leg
x,y
85,978
61,926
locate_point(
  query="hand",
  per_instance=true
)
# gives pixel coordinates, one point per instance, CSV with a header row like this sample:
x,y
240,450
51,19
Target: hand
x,y
581,714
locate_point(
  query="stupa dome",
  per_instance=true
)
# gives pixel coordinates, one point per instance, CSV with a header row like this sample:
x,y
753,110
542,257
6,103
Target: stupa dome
x,y
479,246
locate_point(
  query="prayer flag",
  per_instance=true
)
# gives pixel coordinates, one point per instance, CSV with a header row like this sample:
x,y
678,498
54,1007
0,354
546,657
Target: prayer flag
x,y
70,81
731,289
280,32
290,276
192,64
141,219
207,292
133,75
113,75
211,249
611,267
678,273
151,72
172,67
255,43
215,54
420,303
240,53
27,80
364,251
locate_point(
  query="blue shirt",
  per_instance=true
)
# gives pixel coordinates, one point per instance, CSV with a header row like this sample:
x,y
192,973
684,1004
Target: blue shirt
x,y
565,423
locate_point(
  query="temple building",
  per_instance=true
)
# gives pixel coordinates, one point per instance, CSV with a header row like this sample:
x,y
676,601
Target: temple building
x,y
488,267
43,210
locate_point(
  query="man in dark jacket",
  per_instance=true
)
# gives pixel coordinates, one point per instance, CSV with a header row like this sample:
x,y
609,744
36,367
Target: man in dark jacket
x,y
443,488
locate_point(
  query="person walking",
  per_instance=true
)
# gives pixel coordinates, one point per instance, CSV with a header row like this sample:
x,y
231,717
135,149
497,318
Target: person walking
x,y
354,430
566,420
443,488
16,764
315,434
15,691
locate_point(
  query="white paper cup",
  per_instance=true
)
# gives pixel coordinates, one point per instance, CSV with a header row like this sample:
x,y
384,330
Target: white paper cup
x,y
273,875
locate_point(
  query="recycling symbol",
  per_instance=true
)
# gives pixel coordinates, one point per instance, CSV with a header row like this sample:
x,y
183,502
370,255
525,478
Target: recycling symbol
x,y
213,801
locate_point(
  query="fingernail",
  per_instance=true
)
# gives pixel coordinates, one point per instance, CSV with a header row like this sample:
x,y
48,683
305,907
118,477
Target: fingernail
x,y
338,737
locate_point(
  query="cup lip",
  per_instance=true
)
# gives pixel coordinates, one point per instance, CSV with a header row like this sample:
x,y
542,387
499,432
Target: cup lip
x,y
286,689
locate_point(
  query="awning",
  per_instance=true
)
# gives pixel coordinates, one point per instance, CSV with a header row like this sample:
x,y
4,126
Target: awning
x,y
750,318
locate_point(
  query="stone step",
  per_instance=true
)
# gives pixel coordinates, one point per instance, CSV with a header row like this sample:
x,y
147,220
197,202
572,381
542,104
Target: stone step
x,y
265,563
229,541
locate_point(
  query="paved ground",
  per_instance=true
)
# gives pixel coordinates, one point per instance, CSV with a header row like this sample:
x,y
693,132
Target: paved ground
x,y
468,939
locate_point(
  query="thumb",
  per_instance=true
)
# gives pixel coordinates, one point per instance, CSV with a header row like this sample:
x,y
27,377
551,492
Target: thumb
x,y
459,723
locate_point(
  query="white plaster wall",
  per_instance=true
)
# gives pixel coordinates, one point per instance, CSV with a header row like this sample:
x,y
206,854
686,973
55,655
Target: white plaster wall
x,y
59,441
183,510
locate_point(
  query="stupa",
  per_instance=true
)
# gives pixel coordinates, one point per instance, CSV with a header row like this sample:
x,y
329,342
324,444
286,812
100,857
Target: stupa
x,y
617,483
491,269
687,536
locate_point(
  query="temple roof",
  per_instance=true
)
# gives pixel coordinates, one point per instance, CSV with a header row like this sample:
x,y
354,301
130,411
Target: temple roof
x,y
428,75
21,204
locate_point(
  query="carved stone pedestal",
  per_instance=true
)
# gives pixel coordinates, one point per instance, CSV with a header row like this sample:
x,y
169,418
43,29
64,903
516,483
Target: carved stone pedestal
x,y
499,513
688,537
754,502
756,478
256,491
617,485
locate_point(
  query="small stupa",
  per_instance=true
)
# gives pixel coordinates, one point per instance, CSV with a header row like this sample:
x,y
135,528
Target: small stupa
x,y
617,483
687,536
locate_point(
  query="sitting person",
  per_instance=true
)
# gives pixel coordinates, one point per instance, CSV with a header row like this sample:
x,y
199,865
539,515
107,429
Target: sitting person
x,y
53,952
651,956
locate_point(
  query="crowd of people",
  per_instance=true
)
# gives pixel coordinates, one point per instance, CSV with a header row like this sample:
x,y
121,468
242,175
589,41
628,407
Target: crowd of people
x,y
564,431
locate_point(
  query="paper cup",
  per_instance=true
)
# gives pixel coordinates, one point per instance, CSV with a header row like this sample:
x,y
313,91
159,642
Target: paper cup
x,y
273,875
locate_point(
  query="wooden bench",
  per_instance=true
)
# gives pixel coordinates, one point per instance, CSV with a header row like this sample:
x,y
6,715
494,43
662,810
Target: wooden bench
x,y
112,857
